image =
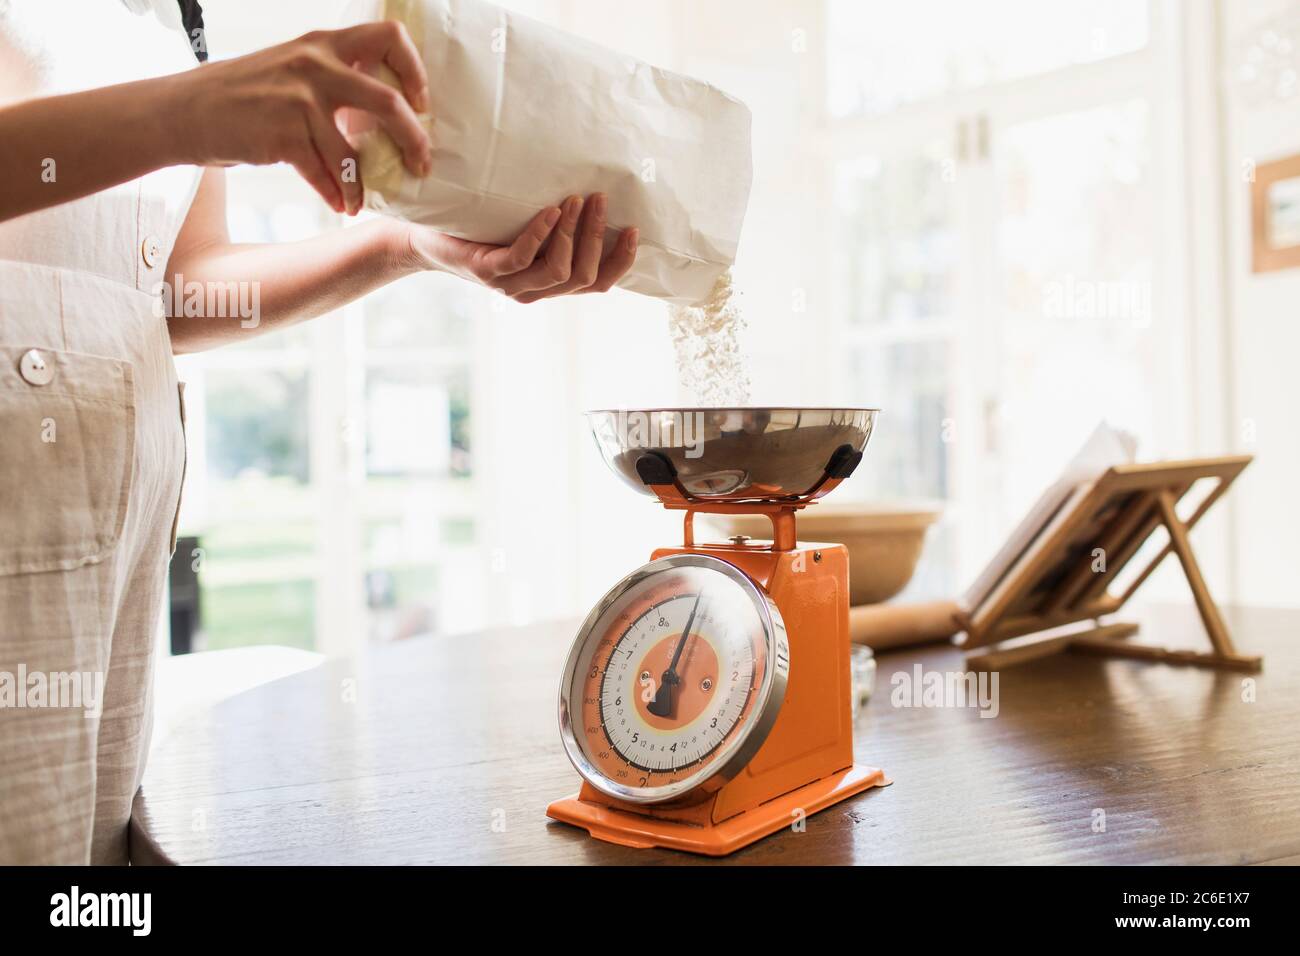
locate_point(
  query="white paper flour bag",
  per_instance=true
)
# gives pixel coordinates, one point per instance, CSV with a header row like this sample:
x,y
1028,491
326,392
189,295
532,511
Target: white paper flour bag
x,y
523,115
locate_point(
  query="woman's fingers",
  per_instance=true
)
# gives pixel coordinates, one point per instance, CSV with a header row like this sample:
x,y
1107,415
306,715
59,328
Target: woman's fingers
x,y
617,263
519,255
559,254
556,263
339,159
571,240
586,254
591,243
346,86
312,167
386,42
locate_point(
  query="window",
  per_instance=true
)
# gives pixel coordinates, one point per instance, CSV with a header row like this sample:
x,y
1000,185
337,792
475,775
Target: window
x,y
249,498
882,54
998,244
331,470
417,506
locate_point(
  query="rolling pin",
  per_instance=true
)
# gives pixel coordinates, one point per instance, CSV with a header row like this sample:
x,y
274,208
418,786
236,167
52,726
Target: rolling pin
x,y
882,626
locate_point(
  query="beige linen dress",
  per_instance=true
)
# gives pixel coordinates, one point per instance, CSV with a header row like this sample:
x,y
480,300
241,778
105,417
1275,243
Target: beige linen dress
x,y
92,446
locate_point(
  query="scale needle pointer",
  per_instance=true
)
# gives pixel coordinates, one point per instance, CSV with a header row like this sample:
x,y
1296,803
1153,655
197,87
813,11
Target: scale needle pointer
x,y
662,705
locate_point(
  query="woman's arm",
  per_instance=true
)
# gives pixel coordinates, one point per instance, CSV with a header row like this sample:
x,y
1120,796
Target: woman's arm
x,y
240,291
255,288
276,105
66,147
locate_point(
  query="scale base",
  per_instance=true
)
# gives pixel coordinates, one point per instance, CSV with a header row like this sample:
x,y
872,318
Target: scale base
x,y
612,825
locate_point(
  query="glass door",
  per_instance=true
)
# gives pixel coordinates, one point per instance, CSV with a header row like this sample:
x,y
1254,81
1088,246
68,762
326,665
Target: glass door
x,y
903,293
1000,246
1072,302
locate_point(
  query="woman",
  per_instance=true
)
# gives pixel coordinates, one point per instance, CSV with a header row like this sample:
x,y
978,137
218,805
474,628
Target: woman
x,y
106,194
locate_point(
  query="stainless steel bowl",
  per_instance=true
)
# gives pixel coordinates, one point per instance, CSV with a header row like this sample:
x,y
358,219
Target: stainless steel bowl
x,y
732,454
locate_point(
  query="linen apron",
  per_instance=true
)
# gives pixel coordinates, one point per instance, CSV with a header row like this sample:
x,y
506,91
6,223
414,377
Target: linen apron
x,y
92,446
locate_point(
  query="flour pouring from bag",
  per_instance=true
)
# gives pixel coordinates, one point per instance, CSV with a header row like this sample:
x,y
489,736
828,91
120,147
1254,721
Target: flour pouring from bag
x,y
522,115
711,365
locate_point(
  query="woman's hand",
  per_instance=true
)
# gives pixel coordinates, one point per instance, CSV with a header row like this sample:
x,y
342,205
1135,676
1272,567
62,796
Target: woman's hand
x,y
301,280
277,105
280,105
558,253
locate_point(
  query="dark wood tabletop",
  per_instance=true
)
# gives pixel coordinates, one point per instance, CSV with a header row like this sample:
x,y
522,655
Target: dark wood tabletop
x,y
445,750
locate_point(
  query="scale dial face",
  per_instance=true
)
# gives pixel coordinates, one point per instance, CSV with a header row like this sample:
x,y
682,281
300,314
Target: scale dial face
x,y
673,681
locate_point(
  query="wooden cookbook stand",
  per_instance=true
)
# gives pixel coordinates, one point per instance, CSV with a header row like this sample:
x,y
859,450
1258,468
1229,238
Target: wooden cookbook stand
x,y
1065,574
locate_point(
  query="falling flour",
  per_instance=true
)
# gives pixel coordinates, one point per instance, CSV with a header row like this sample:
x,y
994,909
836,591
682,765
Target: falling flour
x,y
706,339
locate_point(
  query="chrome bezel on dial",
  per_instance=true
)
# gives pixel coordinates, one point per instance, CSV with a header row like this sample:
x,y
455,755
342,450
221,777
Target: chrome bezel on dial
x,y
735,752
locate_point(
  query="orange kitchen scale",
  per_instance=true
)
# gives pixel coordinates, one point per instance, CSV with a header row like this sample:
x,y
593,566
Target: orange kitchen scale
x,y
705,701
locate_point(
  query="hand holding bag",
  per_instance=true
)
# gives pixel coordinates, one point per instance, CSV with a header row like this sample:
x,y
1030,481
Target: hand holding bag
x,y
523,115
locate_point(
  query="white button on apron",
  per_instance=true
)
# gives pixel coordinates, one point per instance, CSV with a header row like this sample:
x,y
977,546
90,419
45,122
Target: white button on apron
x,y
151,250
35,368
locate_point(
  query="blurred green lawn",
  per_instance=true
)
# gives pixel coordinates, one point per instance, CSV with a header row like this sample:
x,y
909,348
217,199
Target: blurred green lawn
x,y
280,612
258,561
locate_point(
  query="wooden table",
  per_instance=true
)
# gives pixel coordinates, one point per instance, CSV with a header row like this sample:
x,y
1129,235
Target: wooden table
x,y
445,750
